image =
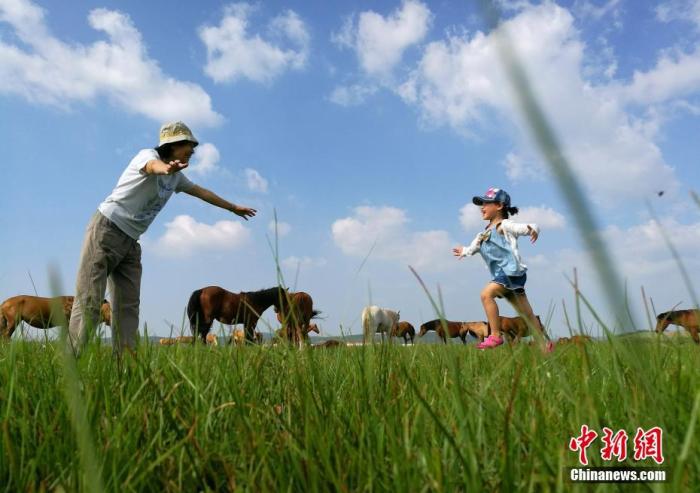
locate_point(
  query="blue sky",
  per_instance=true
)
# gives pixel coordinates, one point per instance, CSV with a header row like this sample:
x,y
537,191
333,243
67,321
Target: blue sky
x,y
366,126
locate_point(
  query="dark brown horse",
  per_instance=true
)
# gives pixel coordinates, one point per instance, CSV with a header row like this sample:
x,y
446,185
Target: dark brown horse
x,y
295,313
688,319
454,329
215,303
41,313
405,330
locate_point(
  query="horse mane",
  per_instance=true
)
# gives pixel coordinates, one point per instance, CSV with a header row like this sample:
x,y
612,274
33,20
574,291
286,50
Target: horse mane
x,y
670,315
265,291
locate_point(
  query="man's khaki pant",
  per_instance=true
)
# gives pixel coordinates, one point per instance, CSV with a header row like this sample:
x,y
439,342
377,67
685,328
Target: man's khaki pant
x,y
107,254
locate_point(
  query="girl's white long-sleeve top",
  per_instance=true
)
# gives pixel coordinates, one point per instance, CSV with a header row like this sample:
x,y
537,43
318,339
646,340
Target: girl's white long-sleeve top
x,y
511,230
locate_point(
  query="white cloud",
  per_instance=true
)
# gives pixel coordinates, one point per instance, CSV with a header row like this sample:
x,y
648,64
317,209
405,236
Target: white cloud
x,y
645,243
545,217
45,70
380,42
675,75
460,80
293,262
641,258
255,181
518,168
282,228
470,218
686,10
206,159
185,236
233,53
352,95
586,8
384,231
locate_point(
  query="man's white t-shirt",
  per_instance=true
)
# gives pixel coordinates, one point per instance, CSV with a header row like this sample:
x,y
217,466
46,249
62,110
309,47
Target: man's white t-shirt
x,y
138,197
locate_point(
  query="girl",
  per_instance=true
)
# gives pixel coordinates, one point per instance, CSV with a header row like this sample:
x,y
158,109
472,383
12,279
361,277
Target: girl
x,y
498,245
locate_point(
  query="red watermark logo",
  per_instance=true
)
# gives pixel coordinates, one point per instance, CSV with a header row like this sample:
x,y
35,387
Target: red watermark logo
x,y
648,444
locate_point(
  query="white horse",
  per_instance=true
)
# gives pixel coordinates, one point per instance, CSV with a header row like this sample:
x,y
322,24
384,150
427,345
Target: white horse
x,y
375,319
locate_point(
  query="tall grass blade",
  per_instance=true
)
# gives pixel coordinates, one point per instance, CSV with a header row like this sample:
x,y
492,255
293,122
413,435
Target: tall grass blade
x,y
75,400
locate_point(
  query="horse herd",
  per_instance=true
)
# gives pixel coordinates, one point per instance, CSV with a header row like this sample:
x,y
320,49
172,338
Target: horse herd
x,y
294,311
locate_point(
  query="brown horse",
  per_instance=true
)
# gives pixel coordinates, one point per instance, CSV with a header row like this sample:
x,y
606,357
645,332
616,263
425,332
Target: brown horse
x,y
405,330
238,337
281,333
480,330
577,339
215,303
454,329
331,343
296,312
171,341
688,319
515,328
41,313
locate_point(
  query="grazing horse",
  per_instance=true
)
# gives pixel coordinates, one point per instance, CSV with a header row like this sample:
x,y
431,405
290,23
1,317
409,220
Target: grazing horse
x,y
238,337
455,329
688,319
215,303
375,319
516,328
480,330
42,313
281,333
170,341
295,313
577,339
331,343
405,330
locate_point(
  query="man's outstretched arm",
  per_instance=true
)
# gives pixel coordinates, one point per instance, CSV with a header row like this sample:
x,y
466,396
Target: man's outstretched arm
x,y
210,197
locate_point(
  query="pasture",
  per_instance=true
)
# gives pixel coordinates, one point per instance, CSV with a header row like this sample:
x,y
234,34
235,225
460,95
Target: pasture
x,y
369,418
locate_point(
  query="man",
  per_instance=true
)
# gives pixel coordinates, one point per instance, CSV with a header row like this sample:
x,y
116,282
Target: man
x,y
111,251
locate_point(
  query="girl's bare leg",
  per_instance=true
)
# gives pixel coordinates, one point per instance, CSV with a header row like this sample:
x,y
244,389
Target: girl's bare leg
x,y
522,306
488,299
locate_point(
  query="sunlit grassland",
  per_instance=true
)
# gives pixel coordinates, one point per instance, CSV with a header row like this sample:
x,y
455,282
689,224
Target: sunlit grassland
x,y
383,418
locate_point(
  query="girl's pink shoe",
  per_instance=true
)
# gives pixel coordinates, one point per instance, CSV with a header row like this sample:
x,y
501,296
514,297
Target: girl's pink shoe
x,y
490,342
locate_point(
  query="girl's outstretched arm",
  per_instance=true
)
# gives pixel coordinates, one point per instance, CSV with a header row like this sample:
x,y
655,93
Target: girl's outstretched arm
x,y
520,229
472,249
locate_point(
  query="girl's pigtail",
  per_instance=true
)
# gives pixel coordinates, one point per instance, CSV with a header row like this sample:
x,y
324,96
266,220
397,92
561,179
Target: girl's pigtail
x,y
512,210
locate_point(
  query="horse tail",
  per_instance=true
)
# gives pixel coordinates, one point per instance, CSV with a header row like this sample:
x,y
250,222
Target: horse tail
x,y
365,321
194,311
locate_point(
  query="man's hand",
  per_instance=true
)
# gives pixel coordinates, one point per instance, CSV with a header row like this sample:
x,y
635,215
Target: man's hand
x,y
175,166
244,212
209,196
457,252
158,167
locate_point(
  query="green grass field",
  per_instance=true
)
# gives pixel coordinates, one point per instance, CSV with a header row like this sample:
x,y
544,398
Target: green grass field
x,y
382,418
